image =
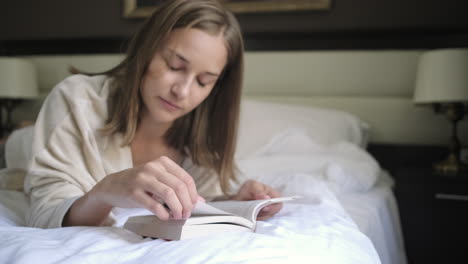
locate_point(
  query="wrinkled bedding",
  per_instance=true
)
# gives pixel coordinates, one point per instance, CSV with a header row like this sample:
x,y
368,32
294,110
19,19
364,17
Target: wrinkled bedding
x,y
315,229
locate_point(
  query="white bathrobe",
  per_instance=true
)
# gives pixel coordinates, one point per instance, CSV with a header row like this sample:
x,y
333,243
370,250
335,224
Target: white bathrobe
x,y
70,154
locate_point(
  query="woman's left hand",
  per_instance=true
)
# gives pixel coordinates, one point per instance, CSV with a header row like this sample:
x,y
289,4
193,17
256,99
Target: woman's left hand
x,y
254,190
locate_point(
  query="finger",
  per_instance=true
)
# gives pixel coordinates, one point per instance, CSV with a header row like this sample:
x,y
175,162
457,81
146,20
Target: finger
x,y
173,191
201,199
267,193
165,193
242,193
257,187
259,190
181,192
249,191
180,173
273,193
262,196
269,211
153,205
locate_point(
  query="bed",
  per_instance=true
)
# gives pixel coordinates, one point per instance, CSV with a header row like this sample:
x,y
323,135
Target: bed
x,y
313,152
348,213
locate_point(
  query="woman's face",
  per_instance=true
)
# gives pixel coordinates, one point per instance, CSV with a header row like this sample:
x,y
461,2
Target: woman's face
x,y
182,74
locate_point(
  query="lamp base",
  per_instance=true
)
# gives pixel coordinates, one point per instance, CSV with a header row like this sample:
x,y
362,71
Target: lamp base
x,y
451,167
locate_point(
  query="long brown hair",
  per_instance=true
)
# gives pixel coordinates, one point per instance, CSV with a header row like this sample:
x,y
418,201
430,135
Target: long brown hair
x,y
208,133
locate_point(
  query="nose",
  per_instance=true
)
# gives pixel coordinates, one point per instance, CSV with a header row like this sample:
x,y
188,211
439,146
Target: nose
x,y
181,87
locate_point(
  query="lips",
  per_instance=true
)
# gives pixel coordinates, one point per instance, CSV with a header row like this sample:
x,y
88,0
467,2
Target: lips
x,y
169,105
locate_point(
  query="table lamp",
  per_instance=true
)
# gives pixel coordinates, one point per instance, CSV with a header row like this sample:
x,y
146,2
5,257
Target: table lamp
x,y
18,81
442,81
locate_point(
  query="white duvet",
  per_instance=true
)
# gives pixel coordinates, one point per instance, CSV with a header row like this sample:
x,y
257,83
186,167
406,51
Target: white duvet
x,y
314,229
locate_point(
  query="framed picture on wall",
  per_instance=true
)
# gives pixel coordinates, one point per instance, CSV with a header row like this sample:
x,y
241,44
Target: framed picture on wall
x,y
255,6
144,8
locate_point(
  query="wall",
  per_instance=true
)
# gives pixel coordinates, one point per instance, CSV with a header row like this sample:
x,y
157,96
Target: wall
x,y
51,26
376,86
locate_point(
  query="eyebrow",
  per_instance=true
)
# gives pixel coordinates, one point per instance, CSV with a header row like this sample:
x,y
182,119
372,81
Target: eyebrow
x,y
187,61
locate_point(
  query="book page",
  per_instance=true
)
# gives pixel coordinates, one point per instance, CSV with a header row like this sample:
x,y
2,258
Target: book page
x,y
248,209
241,213
207,209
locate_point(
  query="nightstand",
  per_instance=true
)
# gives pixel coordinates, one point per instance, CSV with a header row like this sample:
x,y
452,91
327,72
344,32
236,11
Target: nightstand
x,y
434,214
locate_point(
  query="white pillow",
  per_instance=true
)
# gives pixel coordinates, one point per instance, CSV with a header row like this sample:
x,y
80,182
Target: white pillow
x,y
18,148
261,121
18,151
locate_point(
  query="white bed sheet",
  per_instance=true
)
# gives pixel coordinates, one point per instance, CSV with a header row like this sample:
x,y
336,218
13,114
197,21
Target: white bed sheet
x,y
376,214
313,230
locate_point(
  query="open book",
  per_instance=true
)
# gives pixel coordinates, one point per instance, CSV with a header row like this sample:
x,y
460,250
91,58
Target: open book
x,y
206,218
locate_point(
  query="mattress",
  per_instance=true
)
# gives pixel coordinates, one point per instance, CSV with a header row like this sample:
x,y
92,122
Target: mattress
x,y
314,230
321,159
376,214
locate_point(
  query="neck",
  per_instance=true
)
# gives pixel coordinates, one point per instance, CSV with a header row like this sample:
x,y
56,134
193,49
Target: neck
x,y
149,143
151,131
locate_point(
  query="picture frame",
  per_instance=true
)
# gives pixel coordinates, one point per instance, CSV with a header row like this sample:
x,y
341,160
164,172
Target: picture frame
x,y
144,8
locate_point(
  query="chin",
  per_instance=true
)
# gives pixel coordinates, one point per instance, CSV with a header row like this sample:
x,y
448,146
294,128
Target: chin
x,y
164,118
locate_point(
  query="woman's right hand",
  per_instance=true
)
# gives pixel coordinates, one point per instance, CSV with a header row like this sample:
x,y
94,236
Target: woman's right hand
x,y
149,186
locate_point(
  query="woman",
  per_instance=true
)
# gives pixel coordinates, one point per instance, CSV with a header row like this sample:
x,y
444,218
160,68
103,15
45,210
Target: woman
x,y
158,131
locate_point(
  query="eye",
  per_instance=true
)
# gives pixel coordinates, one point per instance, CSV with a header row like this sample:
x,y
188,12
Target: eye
x,y
173,67
201,84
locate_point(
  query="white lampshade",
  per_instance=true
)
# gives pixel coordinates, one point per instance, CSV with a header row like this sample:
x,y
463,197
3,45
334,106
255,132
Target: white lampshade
x,y
442,76
18,79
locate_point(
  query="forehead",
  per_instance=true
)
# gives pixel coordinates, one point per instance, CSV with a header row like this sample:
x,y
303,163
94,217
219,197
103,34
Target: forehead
x,y
200,48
